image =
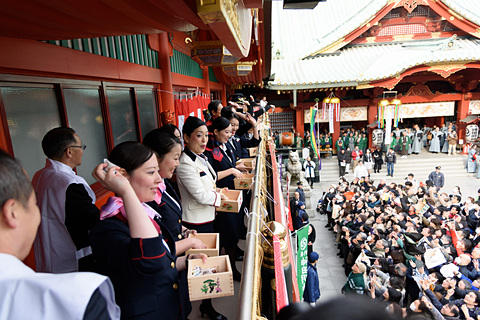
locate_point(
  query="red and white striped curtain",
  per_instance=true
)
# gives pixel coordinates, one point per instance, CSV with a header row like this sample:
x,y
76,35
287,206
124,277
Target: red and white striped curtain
x,y
190,105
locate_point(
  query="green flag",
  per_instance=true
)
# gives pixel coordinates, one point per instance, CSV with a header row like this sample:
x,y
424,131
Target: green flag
x,y
302,258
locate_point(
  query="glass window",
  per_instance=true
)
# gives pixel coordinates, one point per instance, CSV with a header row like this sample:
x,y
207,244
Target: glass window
x,y
122,116
31,113
147,109
85,117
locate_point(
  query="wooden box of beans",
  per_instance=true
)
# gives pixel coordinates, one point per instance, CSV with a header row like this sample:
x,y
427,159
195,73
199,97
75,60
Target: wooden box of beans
x,y
246,182
209,280
211,240
234,203
253,151
248,162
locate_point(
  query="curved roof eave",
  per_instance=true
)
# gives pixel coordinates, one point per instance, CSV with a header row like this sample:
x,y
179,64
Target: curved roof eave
x,y
361,65
311,86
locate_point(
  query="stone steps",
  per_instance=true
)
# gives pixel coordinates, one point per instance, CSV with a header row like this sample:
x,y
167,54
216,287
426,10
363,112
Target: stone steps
x,y
452,166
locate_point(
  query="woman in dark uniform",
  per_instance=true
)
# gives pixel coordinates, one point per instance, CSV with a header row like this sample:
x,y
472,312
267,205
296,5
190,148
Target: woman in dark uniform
x,y
167,203
239,144
222,158
131,245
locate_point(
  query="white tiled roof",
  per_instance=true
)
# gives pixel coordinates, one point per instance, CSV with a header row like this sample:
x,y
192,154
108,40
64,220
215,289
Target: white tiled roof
x,y
469,9
297,33
358,64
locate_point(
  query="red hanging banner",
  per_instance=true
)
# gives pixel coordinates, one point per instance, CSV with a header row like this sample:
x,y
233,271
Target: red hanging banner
x,y
280,285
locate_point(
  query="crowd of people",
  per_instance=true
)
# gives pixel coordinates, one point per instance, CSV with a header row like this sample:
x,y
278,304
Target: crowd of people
x,y
352,148
164,191
412,247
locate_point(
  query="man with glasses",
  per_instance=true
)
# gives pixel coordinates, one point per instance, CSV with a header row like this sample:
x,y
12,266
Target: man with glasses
x,y
67,205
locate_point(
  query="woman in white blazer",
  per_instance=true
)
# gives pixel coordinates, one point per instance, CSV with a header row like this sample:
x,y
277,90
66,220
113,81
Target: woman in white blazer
x,y
196,182
196,179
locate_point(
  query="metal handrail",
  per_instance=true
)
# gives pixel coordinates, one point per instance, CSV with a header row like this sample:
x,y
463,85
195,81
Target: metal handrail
x,y
248,297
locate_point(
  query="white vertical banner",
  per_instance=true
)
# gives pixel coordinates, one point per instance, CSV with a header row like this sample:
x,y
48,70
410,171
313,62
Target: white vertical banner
x,y
330,117
388,124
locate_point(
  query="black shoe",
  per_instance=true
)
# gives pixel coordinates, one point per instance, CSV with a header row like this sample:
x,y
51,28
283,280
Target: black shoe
x,y
211,313
330,229
327,226
339,254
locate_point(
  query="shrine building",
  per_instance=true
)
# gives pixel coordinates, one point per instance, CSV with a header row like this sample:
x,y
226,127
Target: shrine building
x,y
426,53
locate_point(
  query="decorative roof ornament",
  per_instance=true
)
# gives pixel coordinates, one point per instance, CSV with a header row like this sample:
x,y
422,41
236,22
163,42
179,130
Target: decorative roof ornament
x,y
411,5
449,44
211,53
241,68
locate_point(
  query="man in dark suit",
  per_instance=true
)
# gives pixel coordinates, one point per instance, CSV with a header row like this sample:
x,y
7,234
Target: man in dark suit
x,y
300,191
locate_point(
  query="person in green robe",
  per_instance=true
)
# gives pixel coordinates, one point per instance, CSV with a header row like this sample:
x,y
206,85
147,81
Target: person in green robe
x,y
404,143
345,140
321,141
362,142
393,141
328,141
298,140
276,137
339,145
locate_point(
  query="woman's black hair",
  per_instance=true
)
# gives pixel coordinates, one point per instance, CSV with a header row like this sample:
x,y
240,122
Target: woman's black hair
x,y
169,128
220,124
161,142
227,112
191,124
130,155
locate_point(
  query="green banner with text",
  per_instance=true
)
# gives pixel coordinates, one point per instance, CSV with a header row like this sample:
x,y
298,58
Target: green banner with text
x,y
302,259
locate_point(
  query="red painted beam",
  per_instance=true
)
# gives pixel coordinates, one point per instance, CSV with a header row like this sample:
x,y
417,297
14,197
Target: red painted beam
x,y
33,56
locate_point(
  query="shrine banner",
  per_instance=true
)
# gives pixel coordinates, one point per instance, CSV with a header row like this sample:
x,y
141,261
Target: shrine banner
x,y
281,296
190,106
302,259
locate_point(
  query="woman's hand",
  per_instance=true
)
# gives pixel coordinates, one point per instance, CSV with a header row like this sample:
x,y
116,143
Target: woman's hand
x,y
190,233
112,180
251,120
237,173
202,256
223,196
241,166
197,243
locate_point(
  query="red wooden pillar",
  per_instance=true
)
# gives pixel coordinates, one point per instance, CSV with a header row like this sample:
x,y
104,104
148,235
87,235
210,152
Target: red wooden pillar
x,y
371,117
299,120
166,86
206,81
336,128
462,112
224,94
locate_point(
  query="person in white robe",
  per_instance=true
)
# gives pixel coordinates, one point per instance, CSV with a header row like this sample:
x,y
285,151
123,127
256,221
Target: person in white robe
x,y
472,159
417,143
425,130
435,142
25,294
360,170
309,167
